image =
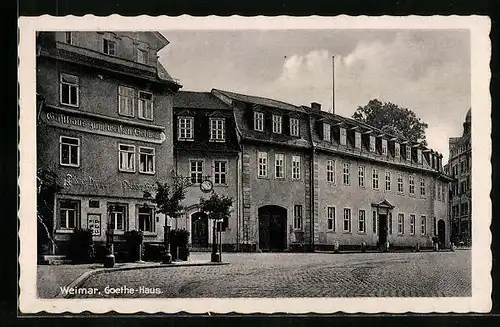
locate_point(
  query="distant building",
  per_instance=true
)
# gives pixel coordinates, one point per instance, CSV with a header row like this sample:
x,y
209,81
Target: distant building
x,y
460,168
104,128
305,179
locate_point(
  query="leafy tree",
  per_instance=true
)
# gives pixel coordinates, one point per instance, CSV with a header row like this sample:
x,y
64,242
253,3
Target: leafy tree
x,y
216,206
47,187
169,197
392,119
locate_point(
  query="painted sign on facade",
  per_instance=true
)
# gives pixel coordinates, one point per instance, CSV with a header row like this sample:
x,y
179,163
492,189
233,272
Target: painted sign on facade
x,y
94,223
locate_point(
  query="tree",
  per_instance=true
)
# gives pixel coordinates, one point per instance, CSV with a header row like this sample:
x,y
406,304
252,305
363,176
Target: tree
x,y
168,198
217,207
392,119
47,187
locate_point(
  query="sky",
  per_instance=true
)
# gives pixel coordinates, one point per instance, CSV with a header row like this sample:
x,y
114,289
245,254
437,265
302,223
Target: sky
x,y
427,71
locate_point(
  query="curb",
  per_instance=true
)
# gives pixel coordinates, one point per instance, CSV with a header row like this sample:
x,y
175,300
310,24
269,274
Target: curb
x,y
86,275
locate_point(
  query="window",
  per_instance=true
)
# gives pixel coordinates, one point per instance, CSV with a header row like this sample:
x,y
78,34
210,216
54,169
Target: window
x,y
295,167
387,180
68,37
262,161
326,132
422,187
117,216
343,136
109,47
372,143
126,157
217,129
357,140
69,90
196,170
294,127
330,218
145,105
434,229
361,176
455,170
463,186
423,225
220,172
330,171
69,151
69,214
390,222
412,224
384,147
94,204
408,153
146,220
397,150
297,216
411,182
374,221
345,174
258,121
443,192
438,190
347,220
279,165
401,224
142,56
126,101
146,160
185,128
375,178
419,156
400,184
362,221
277,120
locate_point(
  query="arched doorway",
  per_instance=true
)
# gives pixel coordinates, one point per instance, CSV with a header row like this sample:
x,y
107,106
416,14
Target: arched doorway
x,y
199,230
441,231
272,228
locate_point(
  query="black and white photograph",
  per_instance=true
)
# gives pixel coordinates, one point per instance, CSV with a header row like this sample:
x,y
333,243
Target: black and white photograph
x,y
255,164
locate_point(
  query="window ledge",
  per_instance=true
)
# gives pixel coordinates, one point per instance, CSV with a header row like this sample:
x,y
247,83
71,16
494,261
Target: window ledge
x,y
185,140
69,166
64,231
150,234
331,231
147,173
126,171
349,233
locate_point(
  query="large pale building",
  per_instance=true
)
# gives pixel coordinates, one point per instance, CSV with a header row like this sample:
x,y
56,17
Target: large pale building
x,y
104,128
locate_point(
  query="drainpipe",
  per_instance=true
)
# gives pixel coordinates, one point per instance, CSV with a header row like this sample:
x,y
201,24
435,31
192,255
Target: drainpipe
x,y
239,200
311,186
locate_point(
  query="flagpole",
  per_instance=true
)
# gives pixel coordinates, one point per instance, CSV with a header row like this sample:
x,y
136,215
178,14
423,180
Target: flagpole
x,y
333,84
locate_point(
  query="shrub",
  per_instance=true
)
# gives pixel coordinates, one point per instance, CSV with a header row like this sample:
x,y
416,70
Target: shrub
x,y
182,237
133,240
154,251
81,246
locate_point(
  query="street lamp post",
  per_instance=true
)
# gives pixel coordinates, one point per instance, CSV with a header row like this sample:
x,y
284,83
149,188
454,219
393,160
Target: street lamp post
x,y
215,254
166,238
109,260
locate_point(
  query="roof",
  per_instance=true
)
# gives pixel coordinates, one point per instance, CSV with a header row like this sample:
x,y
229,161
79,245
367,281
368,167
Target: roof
x,y
165,76
163,40
259,100
198,100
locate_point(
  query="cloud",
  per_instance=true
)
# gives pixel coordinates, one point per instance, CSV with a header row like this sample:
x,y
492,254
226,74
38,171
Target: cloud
x,y
424,74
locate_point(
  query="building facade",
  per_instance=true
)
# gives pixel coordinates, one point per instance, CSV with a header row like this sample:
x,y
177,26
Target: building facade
x,y
460,168
104,128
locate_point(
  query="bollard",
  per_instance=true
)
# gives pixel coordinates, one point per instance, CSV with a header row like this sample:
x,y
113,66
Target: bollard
x,y
417,247
452,247
436,247
109,260
336,247
363,247
386,246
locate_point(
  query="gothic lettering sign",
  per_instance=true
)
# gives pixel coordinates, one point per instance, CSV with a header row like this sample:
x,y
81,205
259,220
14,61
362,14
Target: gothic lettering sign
x,y
104,127
143,187
83,181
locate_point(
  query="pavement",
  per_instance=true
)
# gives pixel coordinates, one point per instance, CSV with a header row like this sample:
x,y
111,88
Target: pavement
x,y
419,274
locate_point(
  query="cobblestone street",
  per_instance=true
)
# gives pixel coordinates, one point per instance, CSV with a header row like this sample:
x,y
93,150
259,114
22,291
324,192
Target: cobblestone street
x,y
423,274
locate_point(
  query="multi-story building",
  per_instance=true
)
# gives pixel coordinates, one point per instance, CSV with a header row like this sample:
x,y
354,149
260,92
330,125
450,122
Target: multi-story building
x,y
105,129
460,167
307,179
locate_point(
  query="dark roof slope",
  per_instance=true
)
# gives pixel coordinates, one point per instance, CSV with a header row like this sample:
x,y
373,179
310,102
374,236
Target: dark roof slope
x,y
259,100
198,100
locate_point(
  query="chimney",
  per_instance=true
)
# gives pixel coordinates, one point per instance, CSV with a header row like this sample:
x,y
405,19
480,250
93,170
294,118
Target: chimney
x,y
315,106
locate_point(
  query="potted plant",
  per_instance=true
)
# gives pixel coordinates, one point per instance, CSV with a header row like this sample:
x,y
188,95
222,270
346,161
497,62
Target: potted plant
x,y
435,241
134,240
182,236
81,246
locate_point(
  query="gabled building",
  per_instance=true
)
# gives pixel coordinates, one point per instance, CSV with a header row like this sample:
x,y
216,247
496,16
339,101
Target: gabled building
x,y
460,168
105,129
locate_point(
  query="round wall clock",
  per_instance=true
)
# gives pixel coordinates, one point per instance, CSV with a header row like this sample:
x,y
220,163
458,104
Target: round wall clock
x,y
206,186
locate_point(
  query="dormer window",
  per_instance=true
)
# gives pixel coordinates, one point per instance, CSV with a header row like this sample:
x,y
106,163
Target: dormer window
x,y
142,56
357,140
217,129
68,37
109,47
326,132
185,128
258,121
372,143
419,156
343,136
397,150
277,123
408,153
294,127
384,147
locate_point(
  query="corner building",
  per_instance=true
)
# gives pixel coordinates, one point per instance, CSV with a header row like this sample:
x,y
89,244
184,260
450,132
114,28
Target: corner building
x,y
311,179
104,128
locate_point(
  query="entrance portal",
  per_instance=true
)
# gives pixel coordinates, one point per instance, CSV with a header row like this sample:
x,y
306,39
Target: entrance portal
x,y
441,231
272,228
199,230
382,229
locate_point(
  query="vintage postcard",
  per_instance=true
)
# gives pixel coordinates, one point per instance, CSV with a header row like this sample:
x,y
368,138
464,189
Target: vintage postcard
x,y
254,164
